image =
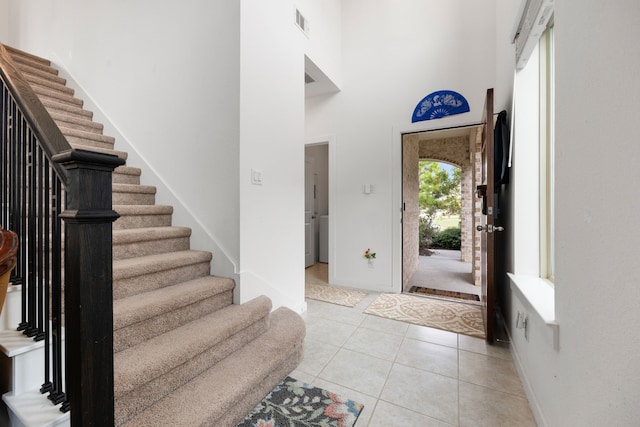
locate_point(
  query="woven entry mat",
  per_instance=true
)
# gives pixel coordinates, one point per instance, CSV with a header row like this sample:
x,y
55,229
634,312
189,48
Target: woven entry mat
x,y
450,316
340,296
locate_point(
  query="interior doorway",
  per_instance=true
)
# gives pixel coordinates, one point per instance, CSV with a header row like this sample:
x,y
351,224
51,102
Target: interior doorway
x,y
441,269
317,205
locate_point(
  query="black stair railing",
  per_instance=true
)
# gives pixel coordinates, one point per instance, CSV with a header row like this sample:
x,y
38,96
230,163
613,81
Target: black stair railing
x,y
58,200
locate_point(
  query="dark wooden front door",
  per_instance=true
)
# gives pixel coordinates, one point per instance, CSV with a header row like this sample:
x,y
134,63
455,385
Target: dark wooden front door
x,y
486,191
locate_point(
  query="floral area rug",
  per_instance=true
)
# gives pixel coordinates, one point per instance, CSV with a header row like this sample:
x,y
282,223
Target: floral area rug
x,y
455,317
293,403
334,295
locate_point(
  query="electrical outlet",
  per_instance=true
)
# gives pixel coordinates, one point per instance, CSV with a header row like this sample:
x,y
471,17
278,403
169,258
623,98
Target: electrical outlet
x,y
522,321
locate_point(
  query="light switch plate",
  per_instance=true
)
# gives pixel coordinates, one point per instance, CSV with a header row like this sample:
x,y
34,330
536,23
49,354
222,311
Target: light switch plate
x,y
256,177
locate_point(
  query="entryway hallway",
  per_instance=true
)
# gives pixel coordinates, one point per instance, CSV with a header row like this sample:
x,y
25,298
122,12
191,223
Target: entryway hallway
x,y
408,375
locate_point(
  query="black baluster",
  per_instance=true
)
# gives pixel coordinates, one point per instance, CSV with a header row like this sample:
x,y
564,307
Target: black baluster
x,y
57,393
47,385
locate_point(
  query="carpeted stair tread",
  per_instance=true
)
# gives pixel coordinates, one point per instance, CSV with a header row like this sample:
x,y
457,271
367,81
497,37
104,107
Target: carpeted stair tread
x,y
144,316
132,276
27,66
138,365
46,92
35,61
15,52
72,121
36,79
83,135
44,75
44,83
138,308
259,365
143,209
141,216
133,194
126,268
134,188
54,105
136,242
152,280
126,175
149,233
132,403
79,133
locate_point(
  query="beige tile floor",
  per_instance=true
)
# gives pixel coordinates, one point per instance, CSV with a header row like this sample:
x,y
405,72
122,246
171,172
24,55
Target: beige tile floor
x,y
408,375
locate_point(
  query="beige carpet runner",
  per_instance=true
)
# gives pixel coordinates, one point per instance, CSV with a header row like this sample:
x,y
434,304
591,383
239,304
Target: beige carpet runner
x,y
450,316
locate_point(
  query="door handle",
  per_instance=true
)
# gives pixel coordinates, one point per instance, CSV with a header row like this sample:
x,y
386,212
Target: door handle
x,y
489,228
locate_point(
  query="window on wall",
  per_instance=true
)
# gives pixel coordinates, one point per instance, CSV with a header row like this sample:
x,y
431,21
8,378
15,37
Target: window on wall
x,y
533,191
547,205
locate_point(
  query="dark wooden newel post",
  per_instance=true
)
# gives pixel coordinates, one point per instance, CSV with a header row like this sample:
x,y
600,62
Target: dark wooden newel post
x,y
88,218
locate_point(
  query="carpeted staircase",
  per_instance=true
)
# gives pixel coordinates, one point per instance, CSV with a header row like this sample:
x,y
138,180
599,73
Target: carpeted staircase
x,y
184,354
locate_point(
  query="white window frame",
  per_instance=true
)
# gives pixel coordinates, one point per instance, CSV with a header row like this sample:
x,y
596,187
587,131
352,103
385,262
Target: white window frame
x,y
547,144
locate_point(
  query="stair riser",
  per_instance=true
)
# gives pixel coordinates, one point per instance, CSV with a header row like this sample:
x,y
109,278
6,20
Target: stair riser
x,y
34,409
124,178
151,247
129,286
133,199
142,331
129,404
126,222
27,368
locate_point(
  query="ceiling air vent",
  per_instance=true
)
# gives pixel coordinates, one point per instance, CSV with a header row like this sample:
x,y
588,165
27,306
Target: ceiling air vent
x,y
302,22
308,79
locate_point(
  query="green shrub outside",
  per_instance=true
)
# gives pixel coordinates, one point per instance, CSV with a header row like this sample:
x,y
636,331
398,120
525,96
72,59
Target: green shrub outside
x,y
447,239
426,231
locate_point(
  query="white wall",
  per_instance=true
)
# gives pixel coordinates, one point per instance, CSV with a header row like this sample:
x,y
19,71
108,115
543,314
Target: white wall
x,y
4,21
324,42
166,76
271,141
393,54
592,380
